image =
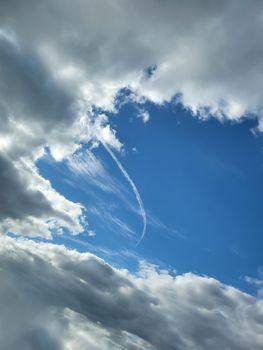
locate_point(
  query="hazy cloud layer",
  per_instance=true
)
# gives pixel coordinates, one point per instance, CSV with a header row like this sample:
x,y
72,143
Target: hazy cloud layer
x,y
55,298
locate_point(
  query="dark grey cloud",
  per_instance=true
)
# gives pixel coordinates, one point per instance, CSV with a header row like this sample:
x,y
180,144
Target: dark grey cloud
x,y
27,90
20,200
70,298
33,110
17,200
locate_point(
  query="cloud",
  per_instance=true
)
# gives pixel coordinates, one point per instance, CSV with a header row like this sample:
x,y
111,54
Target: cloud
x,y
29,206
86,171
157,49
133,187
61,65
89,168
110,221
63,299
37,113
144,116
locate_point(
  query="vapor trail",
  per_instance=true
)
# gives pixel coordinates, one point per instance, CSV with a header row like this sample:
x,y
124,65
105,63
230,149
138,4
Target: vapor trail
x,y
134,188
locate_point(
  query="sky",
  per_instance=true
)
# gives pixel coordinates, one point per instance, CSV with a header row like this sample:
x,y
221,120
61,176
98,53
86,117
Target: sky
x,y
202,194
131,167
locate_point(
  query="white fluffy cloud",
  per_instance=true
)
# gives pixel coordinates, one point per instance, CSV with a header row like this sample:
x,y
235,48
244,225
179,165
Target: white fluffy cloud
x,y
210,53
61,59
55,298
37,113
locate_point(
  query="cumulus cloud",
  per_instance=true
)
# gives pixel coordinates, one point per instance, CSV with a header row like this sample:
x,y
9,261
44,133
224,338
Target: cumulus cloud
x,y
30,206
37,113
62,63
208,53
62,299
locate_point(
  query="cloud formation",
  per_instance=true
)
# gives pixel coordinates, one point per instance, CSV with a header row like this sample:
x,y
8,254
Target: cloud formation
x,y
61,299
36,113
209,53
63,62
62,66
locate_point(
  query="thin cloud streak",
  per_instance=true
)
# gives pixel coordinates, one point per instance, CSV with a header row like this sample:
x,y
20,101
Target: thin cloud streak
x,y
134,188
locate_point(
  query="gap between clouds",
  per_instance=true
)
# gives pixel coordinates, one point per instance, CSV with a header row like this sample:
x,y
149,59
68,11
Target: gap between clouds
x,y
66,64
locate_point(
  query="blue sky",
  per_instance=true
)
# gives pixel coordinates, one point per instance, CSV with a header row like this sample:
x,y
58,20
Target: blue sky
x,y
201,185
131,168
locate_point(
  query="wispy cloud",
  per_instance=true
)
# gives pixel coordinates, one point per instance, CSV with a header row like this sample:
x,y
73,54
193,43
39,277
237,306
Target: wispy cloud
x,y
86,166
111,221
155,222
133,186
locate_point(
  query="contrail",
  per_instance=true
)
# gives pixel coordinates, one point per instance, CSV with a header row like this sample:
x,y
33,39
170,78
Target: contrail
x,y
134,188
